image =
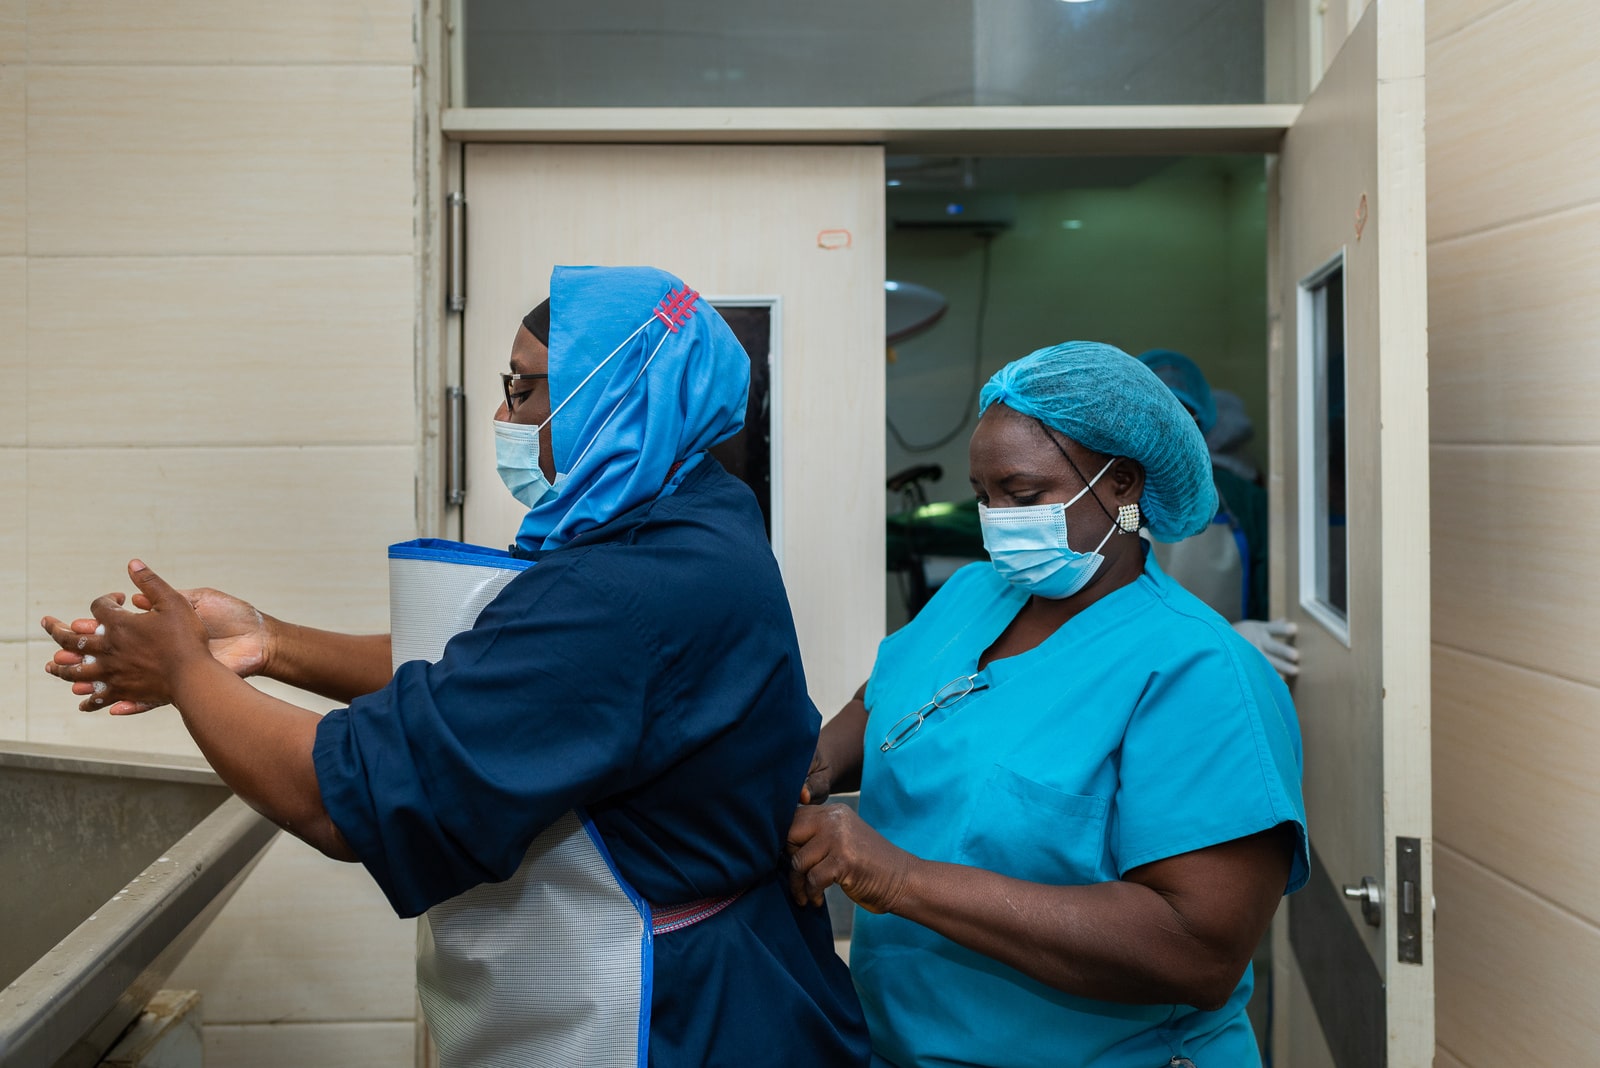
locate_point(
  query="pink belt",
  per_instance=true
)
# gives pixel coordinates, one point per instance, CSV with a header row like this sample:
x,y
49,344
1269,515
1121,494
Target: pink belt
x,y
664,919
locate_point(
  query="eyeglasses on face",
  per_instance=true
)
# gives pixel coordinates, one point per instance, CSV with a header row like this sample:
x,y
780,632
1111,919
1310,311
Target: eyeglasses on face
x,y
517,387
910,723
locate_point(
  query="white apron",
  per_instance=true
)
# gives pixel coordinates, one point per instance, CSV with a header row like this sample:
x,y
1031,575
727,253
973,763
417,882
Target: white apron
x,y
553,966
1211,565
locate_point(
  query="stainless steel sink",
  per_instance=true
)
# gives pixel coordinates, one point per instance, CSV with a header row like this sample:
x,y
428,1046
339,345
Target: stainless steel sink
x,y
113,864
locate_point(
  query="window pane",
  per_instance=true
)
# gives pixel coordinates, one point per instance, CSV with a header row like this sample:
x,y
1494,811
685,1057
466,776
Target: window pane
x,y
1335,570
889,53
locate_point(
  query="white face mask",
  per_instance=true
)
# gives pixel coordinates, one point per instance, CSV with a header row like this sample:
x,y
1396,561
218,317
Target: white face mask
x,y
1028,545
516,445
516,457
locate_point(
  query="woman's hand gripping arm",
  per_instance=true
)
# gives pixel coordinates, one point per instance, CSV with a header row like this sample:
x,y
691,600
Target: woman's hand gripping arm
x,y
836,765
1176,931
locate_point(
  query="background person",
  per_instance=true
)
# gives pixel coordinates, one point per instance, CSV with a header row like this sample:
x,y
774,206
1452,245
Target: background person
x,y
641,682
1225,565
1080,788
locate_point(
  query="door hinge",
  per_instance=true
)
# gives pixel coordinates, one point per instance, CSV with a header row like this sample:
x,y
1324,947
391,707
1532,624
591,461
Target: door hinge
x,y
456,252
1408,888
455,445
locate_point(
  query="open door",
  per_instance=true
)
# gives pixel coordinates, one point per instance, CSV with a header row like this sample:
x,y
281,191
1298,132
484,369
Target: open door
x,y
1354,949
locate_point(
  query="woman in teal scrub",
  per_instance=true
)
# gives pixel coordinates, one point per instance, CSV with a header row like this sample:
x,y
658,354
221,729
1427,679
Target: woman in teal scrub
x,y
1080,788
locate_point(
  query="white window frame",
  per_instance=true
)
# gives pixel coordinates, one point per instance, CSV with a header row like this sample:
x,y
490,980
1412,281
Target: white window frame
x,y
1312,446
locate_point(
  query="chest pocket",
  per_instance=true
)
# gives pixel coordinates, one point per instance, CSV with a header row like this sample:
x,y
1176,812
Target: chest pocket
x,y
1027,830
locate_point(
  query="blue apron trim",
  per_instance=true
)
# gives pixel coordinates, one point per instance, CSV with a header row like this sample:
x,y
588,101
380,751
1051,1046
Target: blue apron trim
x,y
1225,518
647,964
456,552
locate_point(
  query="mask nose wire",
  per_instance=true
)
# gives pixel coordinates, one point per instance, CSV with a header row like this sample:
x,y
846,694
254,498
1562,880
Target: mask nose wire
x,y
1088,487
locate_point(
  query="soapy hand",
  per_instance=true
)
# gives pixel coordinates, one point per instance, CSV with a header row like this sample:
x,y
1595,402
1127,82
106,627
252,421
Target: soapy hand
x,y
122,660
1274,639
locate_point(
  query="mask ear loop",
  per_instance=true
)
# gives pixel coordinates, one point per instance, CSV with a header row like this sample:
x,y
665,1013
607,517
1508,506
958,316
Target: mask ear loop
x,y
618,406
1087,485
594,372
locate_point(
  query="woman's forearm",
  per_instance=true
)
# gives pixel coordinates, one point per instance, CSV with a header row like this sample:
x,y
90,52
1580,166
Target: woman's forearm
x,y
338,666
1115,941
840,744
261,747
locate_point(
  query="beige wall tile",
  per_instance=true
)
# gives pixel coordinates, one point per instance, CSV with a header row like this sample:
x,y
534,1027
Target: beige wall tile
x,y
305,938
13,691
14,622
1513,321
301,532
220,31
1448,16
13,161
329,1045
137,160
54,719
1503,145
13,31
235,350
1516,568
1513,972
1516,775
13,351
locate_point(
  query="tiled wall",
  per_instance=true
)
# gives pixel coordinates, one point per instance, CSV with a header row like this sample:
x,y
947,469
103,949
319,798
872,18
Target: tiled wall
x,y
207,359
1514,305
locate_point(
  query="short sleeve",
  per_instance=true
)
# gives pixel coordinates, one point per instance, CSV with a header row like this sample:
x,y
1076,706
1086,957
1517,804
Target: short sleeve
x,y
1211,754
442,779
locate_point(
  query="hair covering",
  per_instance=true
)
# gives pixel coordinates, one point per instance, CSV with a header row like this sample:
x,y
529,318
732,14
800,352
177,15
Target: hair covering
x,y
538,322
1186,381
1106,400
1231,434
677,386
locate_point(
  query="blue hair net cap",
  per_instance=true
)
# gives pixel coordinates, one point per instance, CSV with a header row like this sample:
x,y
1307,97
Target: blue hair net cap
x,y
1106,400
1187,382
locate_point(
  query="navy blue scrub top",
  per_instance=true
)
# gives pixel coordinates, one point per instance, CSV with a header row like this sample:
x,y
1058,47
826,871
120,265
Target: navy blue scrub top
x,y
648,672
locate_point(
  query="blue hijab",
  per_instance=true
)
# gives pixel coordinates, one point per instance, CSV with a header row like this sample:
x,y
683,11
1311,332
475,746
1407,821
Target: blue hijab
x,y
676,386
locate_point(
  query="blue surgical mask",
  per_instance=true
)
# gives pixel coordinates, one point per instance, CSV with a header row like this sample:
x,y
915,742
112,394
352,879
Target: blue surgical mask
x,y
1029,547
516,457
516,445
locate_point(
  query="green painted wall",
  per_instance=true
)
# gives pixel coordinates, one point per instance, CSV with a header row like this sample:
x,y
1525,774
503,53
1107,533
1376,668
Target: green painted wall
x,y
1176,261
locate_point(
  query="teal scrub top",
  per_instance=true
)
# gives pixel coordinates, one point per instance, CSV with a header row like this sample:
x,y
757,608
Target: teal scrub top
x,y
1142,729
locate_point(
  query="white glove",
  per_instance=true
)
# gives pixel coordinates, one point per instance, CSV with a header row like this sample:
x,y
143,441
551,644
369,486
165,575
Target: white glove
x,y
1274,639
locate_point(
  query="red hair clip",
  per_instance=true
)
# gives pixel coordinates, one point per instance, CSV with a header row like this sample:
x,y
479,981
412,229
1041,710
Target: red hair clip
x,y
676,307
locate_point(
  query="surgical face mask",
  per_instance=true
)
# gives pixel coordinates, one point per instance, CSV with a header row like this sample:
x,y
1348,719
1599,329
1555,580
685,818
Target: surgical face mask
x,y
516,445
1028,545
516,457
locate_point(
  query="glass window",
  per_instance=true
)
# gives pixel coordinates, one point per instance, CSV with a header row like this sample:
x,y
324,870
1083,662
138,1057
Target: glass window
x,y
1324,540
886,53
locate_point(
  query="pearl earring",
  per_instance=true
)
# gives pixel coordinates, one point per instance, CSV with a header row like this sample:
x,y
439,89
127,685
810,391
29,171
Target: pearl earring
x,y
1128,518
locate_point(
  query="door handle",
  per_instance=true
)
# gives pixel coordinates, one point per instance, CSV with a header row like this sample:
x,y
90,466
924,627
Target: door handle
x,y
1370,894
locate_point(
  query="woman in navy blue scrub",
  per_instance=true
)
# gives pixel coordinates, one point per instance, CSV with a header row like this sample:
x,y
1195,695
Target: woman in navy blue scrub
x,y
643,673
1080,788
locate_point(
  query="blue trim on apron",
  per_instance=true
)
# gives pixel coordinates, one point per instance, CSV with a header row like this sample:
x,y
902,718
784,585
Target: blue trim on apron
x,y
647,961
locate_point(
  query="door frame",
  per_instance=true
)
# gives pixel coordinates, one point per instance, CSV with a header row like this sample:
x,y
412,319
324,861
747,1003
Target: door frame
x,y
443,132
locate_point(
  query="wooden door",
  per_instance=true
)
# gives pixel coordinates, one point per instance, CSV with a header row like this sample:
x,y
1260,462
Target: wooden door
x,y
1350,542
797,230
